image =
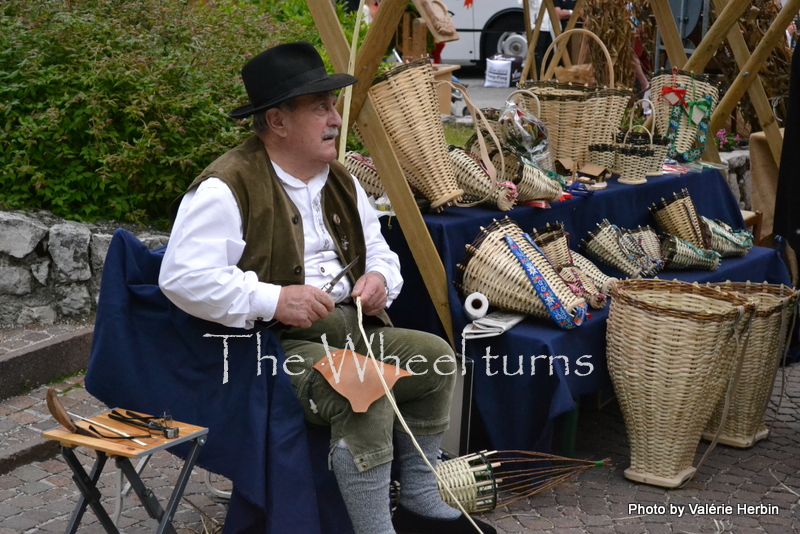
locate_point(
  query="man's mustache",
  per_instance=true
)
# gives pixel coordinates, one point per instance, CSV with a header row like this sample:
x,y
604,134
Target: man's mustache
x,y
330,133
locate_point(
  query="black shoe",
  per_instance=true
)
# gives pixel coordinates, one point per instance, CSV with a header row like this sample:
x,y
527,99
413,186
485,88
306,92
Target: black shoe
x,y
407,522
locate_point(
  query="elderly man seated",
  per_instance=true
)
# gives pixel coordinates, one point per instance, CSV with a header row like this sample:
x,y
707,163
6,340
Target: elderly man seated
x,y
256,237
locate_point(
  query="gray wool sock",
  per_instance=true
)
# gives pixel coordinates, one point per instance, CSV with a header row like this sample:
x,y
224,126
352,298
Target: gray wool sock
x,y
365,493
419,489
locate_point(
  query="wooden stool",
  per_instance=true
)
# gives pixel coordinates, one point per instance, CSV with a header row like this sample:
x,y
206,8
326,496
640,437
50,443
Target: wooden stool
x,y
754,219
123,451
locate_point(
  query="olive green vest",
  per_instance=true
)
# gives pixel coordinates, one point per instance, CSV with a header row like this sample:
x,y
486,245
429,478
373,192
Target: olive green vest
x,y
271,224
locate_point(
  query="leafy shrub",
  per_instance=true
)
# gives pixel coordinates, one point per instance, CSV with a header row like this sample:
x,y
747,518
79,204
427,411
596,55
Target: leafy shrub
x,y
109,108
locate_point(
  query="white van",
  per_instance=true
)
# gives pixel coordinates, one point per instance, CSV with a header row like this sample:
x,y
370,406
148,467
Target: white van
x,y
486,28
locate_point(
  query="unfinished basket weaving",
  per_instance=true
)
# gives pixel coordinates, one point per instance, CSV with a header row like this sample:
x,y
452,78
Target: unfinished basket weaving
x,y
405,100
671,348
577,115
493,479
679,217
490,266
684,122
727,241
554,242
614,246
364,170
680,254
767,343
478,186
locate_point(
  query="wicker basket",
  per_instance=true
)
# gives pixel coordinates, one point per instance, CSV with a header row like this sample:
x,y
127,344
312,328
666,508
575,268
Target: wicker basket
x,y
679,217
727,241
671,349
614,246
554,242
769,335
633,161
680,254
364,170
651,244
577,115
601,280
490,267
478,186
532,182
699,95
405,100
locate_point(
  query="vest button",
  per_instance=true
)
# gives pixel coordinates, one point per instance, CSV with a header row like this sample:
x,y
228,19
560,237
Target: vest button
x,y
296,219
298,270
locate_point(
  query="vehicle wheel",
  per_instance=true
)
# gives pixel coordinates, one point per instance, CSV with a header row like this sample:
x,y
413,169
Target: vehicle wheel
x,y
505,36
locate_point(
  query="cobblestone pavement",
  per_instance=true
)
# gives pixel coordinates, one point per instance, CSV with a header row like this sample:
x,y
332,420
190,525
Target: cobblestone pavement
x,y
39,497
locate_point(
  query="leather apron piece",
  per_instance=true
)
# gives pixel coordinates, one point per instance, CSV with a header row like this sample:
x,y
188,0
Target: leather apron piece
x,y
355,377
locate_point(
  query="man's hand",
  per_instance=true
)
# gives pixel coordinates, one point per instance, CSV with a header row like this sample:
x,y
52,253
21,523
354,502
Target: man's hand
x,y
300,306
372,289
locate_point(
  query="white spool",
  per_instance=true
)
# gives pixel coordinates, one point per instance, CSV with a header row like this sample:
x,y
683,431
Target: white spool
x,y
476,306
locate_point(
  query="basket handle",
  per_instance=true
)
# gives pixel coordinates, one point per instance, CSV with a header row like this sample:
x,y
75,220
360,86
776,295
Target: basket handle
x,y
642,127
609,64
641,101
527,93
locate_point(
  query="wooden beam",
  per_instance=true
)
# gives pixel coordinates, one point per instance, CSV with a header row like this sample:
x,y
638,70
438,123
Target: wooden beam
x,y
551,10
376,139
526,17
530,63
372,50
749,72
722,27
665,21
377,142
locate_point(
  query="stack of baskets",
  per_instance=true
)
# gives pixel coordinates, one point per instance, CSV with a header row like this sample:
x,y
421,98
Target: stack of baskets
x,y
575,115
672,348
503,264
620,249
769,338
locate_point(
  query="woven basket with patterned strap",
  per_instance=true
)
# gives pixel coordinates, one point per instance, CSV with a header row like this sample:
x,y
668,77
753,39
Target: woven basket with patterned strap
x,y
727,241
613,246
405,100
695,94
766,345
680,254
575,115
490,267
679,217
672,349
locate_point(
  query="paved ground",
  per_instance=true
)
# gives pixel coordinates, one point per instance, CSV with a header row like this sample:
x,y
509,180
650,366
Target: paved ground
x,y
39,497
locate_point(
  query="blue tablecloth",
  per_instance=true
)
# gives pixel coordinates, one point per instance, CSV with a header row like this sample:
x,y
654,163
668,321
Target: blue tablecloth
x,y
516,408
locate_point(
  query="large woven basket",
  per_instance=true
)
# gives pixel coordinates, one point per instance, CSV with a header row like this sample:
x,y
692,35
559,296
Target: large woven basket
x,y
490,267
406,102
769,335
673,121
671,349
575,115
365,172
679,217
727,241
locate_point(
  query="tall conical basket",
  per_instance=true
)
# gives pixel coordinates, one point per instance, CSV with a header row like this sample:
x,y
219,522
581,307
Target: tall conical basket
x,y
671,349
405,100
492,268
678,216
769,335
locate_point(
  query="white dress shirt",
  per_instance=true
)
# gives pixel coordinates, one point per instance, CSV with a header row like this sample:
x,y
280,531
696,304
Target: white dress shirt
x,y
199,272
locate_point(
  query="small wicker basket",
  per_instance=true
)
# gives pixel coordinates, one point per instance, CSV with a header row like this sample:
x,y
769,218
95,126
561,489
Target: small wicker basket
x,y
478,186
613,246
364,170
651,244
671,349
679,217
532,182
405,100
680,254
727,241
490,267
769,336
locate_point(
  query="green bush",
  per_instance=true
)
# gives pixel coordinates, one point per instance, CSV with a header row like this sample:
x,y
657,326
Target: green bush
x,y
109,108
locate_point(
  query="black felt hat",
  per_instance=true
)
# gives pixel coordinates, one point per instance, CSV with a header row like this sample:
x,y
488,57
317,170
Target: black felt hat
x,y
284,72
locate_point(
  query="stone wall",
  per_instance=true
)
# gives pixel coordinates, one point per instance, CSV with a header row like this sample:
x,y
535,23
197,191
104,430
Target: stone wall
x,y
50,268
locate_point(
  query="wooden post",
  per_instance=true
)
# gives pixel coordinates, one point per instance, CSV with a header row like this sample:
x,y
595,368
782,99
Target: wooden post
x,y
749,71
562,51
530,63
665,21
377,142
722,27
